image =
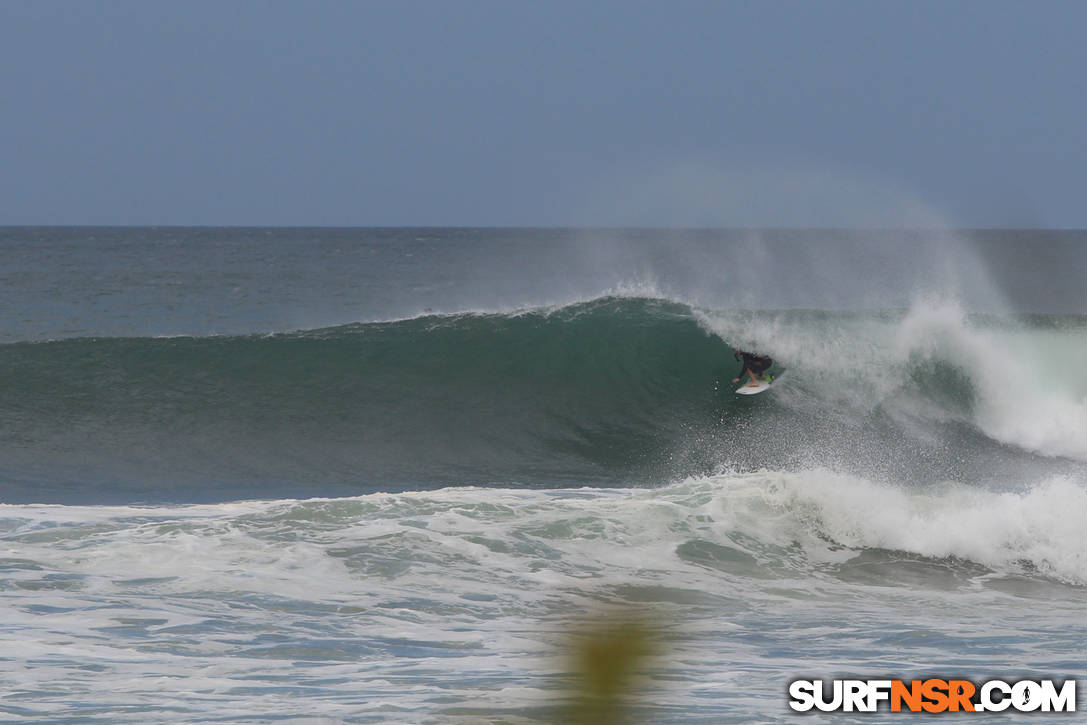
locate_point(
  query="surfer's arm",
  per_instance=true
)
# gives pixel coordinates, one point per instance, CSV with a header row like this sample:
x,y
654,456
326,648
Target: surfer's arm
x,y
750,374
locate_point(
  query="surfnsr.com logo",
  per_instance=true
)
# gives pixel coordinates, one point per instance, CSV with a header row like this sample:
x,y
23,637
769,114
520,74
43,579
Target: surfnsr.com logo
x,y
932,695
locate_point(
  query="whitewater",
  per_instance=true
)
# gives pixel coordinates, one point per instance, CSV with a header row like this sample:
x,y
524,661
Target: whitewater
x,y
370,476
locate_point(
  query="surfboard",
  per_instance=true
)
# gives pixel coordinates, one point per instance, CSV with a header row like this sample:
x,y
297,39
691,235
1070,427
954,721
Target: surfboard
x,y
749,389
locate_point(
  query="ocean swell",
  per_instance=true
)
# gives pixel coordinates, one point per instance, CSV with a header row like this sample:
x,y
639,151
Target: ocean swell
x,y
613,391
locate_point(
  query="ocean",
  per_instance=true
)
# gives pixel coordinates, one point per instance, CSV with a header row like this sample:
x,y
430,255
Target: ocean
x,y
401,475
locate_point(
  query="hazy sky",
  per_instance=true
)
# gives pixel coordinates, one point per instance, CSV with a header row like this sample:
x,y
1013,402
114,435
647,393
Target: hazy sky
x,y
513,112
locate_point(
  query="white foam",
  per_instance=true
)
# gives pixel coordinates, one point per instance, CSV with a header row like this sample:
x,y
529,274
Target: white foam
x,y
399,605
1044,525
1029,392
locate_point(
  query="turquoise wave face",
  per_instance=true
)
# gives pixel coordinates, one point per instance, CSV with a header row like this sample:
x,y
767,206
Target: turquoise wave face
x,y
615,391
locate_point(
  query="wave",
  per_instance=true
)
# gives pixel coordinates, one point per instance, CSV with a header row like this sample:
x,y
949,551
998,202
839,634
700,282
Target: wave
x,y
756,530
1012,380
1026,387
613,391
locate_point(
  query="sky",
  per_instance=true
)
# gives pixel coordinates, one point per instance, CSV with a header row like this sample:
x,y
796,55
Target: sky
x,y
509,113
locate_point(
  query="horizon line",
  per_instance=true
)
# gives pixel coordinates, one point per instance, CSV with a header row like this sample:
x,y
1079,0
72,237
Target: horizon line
x,y
555,227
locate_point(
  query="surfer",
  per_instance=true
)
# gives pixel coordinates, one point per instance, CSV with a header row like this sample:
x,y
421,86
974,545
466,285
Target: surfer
x,y
754,365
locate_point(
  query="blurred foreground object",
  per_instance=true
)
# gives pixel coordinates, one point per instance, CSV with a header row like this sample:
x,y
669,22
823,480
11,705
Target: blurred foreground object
x,y
611,657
